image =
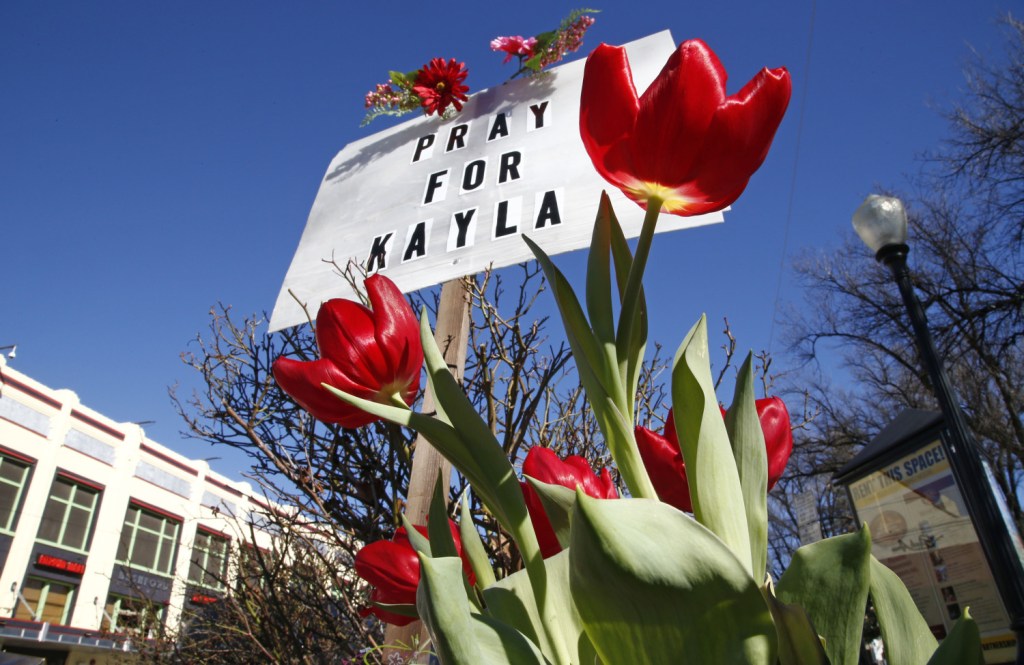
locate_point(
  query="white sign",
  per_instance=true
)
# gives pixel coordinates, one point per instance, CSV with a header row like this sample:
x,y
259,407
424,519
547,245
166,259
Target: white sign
x,y
430,200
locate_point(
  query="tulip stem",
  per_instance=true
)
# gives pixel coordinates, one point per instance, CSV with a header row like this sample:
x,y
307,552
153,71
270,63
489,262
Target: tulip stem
x,y
396,400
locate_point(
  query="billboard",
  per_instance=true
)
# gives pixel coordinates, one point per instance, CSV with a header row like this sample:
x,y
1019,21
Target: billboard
x,y
921,530
431,200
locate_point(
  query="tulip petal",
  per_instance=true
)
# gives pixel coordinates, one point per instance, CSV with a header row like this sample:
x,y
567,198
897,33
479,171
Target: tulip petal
x,y
740,135
778,436
664,464
676,109
303,382
392,568
345,336
397,330
608,110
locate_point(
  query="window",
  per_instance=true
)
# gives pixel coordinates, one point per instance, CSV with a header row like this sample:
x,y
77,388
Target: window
x,y
13,478
44,600
68,516
209,560
148,541
132,616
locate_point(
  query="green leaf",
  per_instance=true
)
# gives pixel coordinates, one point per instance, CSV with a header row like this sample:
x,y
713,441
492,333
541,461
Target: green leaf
x,y
419,542
599,281
799,643
748,447
474,548
632,315
460,637
962,646
710,466
830,580
558,504
511,601
441,541
605,392
908,640
401,609
623,258
653,586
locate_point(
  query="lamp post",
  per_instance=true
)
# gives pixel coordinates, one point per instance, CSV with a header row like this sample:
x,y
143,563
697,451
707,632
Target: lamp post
x,y
881,222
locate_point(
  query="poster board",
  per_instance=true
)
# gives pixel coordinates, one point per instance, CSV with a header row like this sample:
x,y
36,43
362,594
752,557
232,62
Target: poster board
x,y
431,200
921,530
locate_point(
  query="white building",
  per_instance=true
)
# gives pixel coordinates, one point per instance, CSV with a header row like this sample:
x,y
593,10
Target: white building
x,y
104,534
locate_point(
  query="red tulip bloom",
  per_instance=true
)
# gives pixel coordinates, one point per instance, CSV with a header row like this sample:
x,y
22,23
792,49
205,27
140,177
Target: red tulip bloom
x,y
683,141
663,458
393,569
543,464
439,85
370,353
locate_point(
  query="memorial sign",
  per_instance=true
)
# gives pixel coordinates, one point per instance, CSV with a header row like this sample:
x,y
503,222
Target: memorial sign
x,y
434,199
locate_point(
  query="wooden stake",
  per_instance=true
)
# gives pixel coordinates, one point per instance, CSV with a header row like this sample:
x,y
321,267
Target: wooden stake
x,y
452,336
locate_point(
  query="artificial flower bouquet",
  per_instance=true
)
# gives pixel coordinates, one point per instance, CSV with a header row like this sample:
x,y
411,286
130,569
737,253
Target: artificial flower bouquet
x,y
676,571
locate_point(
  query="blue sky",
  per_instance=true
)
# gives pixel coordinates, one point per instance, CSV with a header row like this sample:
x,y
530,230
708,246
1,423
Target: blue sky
x,y
159,158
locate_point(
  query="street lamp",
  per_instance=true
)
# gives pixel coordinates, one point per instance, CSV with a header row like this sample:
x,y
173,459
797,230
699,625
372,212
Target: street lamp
x,y
881,222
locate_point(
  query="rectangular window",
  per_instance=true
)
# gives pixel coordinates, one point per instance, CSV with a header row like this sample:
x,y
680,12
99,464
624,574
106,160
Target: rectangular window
x,y
69,514
133,616
209,560
148,541
44,600
13,478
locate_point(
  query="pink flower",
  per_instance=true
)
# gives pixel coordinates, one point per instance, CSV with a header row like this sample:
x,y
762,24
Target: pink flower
x,y
515,45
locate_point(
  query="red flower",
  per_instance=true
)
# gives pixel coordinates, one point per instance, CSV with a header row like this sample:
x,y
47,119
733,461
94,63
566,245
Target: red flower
x,y
683,142
439,84
374,354
664,460
543,464
393,569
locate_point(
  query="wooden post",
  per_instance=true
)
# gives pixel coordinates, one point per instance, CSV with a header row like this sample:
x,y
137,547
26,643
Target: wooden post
x,y
452,336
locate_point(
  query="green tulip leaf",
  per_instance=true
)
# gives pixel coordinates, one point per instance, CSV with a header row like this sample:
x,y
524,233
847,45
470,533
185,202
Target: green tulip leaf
x,y
632,312
962,646
599,281
401,609
558,503
420,543
715,489
441,541
460,637
611,405
908,640
474,548
830,580
799,643
632,354
511,601
748,447
653,586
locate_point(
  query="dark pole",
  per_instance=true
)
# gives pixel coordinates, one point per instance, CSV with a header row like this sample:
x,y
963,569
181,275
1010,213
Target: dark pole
x,y
965,457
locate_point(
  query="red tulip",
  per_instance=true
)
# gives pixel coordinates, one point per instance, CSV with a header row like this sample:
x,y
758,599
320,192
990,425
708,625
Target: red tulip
x,y
543,464
393,569
663,458
683,141
370,353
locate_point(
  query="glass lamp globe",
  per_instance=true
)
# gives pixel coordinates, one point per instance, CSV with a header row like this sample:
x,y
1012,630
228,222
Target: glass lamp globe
x,y
881,221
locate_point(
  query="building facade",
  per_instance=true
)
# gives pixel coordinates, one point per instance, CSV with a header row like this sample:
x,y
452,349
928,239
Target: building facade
x,y
106,536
